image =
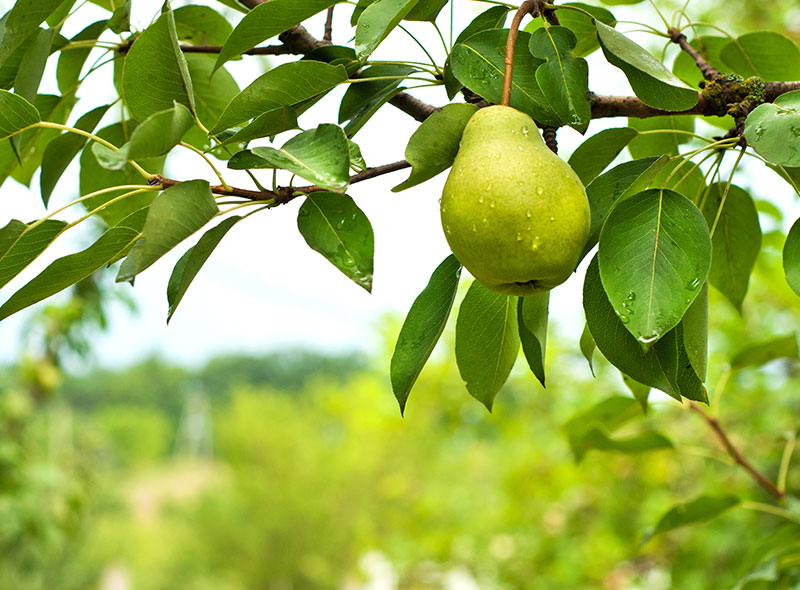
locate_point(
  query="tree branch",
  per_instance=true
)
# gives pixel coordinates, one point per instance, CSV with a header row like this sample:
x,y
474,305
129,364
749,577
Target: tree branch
x,y
736,454
328,36
268,50
708,71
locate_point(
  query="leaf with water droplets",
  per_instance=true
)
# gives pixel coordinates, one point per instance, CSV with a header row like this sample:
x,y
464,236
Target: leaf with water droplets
x,y
333,225
655,252
773,129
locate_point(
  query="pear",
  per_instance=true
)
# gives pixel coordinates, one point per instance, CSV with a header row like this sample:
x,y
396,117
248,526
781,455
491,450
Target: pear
x,y
514,214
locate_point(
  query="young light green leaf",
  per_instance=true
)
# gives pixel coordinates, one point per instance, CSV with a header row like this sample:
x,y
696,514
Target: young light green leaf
x,y
580,24
563,78
640,391
192,261
70,63
333,225
487,341
654,256
422,328
267,20
650,80
19,23
698,510
286,85
479,63
736,241
773,129
434,145
377,21
155,74
641,443
615,342
657,144
174,215
321,156
68,270
21,244
598,151
761,353
532,322
16,113
605,416
362,100
587,347
791,257
201,25
155,136
768,55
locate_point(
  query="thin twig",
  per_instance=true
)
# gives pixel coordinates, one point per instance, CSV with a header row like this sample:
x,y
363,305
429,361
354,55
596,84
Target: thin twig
x,y
709,72
328,36
736,454
525,8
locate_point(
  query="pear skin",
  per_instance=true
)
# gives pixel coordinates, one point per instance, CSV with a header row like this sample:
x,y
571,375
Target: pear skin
x,y
514,214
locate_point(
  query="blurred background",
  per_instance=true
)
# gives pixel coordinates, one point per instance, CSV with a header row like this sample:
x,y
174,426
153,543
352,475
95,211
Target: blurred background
x,y
256,444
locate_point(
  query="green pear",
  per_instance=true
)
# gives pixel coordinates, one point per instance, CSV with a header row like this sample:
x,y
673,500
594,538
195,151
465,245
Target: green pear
x,y
515,214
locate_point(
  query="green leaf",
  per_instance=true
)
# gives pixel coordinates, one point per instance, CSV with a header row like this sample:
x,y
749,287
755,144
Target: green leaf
x,y
640,443
426,10
21,244
363,99
619,183
70,63
773,129
768,55
615,342
532,322
563,78
357,161
192,261
736,241
695,333
377,21
201,25
321,156
580,24
710,48
650,80
598,151
587,347
267,20
272,122
68,270
94,177
487,341
434,145
640,391
657,144
700,509
32,64
605,416
155,74
120,21
675,363
155,136
762,353
174,215
334,226
654,256
16,113
423,327
286,85
791,257
479,63
63,149
19,23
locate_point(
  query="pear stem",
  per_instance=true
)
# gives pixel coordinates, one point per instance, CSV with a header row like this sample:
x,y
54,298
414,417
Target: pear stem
x,y
525,8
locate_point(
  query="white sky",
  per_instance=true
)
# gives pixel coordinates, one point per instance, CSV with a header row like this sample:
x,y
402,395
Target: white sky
x,y
264,288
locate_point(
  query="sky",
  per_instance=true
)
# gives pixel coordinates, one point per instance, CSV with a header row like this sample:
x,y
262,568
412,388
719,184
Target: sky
x,y
263,288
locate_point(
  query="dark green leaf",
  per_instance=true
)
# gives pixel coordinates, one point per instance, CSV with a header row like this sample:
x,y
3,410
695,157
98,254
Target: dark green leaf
x,y
363,99
426,10
201,25
286,85
587,347
773,129
31,67
770,56
695,333
19,23
21,244
736,240
532,322
155,73
654,256
192,261
656,144
174,215
70,62
791,257
698,510
651,81
580,24
267,20
487,341
377,21
640,391
334,226
598,151
674,360
15,113
434,145
755,355
479,63
68,270
563,78
422,328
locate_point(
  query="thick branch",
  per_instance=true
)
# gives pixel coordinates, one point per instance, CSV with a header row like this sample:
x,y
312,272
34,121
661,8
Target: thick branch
x,y
413,106
736,454
268,50
630,106
774,89
708,71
